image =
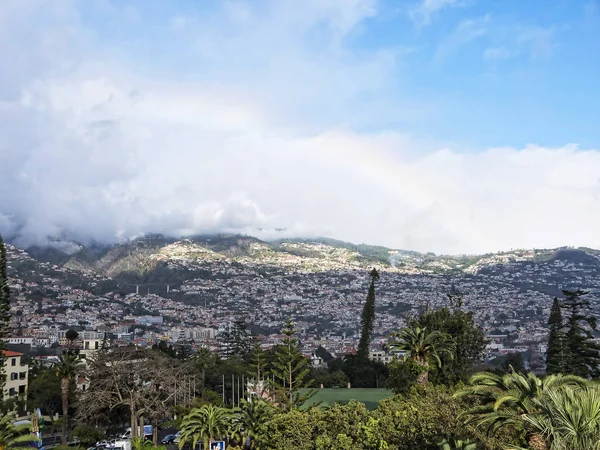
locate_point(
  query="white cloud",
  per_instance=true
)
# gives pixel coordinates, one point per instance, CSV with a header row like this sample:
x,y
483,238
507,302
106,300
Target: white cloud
x,y
102,149
538,40
463,34
497,53
423,13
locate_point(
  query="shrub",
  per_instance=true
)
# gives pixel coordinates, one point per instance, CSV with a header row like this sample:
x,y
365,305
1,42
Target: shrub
x,y
88,434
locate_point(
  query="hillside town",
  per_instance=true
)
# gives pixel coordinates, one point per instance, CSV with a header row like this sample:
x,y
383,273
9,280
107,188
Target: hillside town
x,y
509,294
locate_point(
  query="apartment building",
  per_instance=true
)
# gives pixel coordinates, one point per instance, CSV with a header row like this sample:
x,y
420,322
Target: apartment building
x,y
16,375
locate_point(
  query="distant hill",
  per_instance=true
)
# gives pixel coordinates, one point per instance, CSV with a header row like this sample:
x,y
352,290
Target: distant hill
x,y
156,252
576,256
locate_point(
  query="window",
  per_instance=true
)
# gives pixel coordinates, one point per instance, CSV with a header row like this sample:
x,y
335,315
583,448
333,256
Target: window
x,y
13,362
14,375
22,375
96,345
11,392
22,389
87,345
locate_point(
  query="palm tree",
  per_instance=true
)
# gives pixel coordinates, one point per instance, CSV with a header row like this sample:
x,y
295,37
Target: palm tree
x,y
15,437
253,415
458,444
507,398
568,417
422,346
204,424
141,443
66,370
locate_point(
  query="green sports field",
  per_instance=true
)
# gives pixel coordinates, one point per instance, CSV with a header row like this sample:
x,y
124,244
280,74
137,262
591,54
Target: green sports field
x,y
370,397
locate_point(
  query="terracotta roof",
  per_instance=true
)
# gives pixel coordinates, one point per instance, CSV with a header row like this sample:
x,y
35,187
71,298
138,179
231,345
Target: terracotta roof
x,y
10,353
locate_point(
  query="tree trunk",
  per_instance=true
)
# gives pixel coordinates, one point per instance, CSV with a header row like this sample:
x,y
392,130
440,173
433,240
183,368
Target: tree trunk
x,y
155,432
64,387
141,427
133,424
291,386
536,441
423,377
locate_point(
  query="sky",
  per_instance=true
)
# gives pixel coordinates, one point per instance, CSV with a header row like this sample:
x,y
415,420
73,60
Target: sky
x,y
452,126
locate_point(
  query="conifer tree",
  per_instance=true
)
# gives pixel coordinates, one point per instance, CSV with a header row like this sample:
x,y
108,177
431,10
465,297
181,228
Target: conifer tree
x,y
367,319
290,370
555,353
4,312
582,354
236,340
258,368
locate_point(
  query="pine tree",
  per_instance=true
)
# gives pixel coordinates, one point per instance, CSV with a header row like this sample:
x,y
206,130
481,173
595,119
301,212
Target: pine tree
x,y
555,353
367,319
236,340
4,313
582,354
290,370
258,368
105,344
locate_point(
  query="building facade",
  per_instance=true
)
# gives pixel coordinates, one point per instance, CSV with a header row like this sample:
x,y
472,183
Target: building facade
x,y
17,375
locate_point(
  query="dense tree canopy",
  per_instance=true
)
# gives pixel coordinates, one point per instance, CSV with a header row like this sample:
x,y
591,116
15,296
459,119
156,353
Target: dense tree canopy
x,y
582,353
469,340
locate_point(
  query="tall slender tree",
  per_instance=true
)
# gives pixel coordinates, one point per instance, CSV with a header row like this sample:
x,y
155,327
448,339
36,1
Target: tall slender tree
x,y
66,370
367,319
258,369
236,340
583,355
555,353
291,370
4,313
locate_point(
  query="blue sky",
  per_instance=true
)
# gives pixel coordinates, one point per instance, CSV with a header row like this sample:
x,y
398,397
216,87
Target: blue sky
x,y
461,126
508,73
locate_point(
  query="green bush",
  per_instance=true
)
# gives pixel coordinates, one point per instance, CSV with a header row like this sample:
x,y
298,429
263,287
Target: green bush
x,y
88,434
423,418
294,429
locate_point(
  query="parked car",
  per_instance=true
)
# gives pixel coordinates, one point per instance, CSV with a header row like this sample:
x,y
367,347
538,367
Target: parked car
x,y
122,445
176,438
168,439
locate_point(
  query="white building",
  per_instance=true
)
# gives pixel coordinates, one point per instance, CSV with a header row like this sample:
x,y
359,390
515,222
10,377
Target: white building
x,y
16,375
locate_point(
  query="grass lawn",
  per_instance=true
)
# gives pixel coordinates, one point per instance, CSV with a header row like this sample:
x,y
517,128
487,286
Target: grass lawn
x,y
370,397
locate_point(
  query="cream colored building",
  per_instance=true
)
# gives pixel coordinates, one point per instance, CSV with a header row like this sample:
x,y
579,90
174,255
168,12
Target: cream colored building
x,y
16,375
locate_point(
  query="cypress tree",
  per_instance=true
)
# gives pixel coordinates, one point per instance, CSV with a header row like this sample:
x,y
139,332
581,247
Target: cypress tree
x,y
367,319
582,354
4,313
555,353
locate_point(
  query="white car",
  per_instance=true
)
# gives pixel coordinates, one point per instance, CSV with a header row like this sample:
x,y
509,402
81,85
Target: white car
x,y
176,440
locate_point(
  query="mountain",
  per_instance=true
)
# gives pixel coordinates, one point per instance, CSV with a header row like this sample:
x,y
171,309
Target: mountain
x,y
143,256
321,283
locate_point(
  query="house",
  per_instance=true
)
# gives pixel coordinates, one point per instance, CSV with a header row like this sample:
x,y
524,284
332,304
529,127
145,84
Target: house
x,y
16,375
